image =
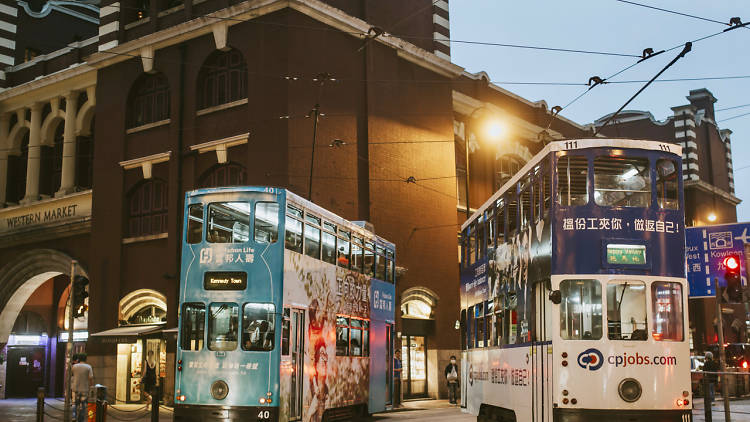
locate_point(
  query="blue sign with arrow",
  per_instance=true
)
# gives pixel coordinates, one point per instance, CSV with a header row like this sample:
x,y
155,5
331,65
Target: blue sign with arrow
x,y
705,249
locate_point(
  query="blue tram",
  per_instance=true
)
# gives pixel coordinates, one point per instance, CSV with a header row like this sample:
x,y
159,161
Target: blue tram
x,y
573,289
286,310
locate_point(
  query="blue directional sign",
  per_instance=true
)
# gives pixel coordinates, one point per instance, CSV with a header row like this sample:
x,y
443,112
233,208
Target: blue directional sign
x,y
705,249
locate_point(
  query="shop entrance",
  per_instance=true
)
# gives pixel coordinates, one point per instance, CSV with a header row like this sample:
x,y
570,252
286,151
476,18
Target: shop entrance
x,y
414,361
25,370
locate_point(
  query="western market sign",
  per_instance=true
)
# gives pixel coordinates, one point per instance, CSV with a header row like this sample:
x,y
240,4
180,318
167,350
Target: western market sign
x,y
46,212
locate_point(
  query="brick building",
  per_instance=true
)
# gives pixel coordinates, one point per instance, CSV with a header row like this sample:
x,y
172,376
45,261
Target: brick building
x,y
708,176
101,139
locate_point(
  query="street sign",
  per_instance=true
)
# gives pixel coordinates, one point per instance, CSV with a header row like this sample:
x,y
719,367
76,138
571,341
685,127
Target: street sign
x,y
705,250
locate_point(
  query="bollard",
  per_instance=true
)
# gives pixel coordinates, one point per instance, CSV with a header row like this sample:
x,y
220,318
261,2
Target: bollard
x,y
101,403
40,404
155,397
706,399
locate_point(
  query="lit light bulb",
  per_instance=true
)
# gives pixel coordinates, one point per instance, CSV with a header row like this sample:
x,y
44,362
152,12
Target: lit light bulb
x,y
712,217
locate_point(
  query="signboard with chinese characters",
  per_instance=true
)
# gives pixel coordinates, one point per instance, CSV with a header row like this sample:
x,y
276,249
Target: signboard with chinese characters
x,y
626,254
705,249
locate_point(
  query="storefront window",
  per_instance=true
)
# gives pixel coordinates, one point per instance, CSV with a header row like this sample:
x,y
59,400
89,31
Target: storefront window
x,y
626,310
667,310
581,310
193,323
222,326
258,326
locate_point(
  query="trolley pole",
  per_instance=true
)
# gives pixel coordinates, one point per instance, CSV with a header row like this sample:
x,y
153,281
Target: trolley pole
x,y
722,354
69,346
315,114
744,290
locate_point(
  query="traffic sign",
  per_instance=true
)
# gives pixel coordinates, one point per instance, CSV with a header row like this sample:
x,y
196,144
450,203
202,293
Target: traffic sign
x,y
705,250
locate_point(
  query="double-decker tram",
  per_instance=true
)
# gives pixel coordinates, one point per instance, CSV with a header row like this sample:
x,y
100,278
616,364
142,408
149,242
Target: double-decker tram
x,y
286,311
573,289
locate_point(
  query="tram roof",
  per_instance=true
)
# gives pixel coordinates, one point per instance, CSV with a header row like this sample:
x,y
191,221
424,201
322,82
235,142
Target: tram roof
x,y
563,145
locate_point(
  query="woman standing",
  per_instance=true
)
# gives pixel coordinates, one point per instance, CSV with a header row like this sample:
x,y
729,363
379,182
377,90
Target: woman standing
x,y
149,376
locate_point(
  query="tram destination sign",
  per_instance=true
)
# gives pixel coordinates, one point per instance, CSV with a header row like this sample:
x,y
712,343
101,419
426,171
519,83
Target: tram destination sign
x,y
225,280
705,249
626,254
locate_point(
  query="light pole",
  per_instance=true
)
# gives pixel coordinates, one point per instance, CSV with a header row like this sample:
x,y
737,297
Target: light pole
x,y
493,129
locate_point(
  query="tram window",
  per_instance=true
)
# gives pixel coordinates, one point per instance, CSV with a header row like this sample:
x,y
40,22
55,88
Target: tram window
x,y
581,310
266,222
195,223
355,339
294,211
572,181
343,252
666,185
330,227
193,326
293,236
512,210
536,202
479,321
258,327
312,241
228,222
369,260
380,264
472,252
392,271
622,182
342,336
500,222
357,254
285,332
500,320
463,329
470,329
626,310
329,248
546,188
491,231
481,225
667,311
365,337
526,204
222,326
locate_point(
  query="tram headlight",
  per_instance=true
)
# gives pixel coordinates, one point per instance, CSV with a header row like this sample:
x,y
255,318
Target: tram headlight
x,y
219,390
630,390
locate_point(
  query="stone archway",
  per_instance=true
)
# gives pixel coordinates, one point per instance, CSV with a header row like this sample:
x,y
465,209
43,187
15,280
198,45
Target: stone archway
x,y
20,278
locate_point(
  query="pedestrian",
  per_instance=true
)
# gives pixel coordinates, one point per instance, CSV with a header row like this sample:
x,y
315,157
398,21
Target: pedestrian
x,y
397,379
82,381
148,380
710,365
451,376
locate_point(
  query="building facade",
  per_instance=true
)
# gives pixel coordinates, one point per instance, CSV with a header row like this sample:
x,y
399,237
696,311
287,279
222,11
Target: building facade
x,y
101,139
708,180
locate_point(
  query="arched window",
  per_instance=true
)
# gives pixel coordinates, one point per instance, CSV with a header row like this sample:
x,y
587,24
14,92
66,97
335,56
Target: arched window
x,y
230,174
223,79
418,303
147,208
148,101
143,306
16,180
85,159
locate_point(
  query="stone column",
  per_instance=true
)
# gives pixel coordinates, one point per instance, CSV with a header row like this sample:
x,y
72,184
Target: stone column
x,y
35,140
67,184
4,146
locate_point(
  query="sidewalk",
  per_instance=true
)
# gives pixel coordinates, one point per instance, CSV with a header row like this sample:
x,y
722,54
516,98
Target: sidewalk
x,y
739,410
24,410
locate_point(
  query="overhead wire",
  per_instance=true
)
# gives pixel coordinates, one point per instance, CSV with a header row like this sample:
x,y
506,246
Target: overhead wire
x,y
672,12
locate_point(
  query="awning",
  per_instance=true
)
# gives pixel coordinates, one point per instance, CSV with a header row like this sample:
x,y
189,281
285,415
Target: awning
x,y
127,334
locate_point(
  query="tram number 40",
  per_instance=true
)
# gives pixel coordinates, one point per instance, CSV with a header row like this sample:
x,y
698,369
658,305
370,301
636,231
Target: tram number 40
x,y
264,415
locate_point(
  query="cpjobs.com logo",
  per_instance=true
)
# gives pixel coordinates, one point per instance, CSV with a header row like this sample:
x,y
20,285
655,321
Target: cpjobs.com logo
x,y
591,359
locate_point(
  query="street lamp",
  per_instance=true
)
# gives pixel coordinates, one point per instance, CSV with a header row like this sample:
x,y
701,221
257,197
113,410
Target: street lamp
x,y
711,217
492,129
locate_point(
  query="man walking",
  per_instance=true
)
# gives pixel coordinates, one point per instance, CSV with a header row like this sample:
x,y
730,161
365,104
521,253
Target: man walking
x,y
397,379
83,379
710,365
451,375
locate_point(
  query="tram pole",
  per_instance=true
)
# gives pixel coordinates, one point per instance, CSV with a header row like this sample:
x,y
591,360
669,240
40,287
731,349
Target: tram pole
x,y
69,346
722,354
744,291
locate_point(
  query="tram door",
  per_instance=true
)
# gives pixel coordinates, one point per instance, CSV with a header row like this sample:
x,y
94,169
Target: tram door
x,y
389,363
297,346
541,356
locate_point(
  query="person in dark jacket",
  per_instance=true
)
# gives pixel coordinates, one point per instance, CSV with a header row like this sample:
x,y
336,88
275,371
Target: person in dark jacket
x,y
710,365
451,376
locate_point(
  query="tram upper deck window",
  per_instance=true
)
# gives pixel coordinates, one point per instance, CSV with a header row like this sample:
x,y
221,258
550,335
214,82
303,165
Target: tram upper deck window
x,y
380,263
258,326
357,253
572,181
228,222
667,195
328,240
266,222
581,310
222,326
193,326
622,182
666,304
195,223
369,259
343,252
312,236
500,221
526,202
472,251
512,210
626,310
342,336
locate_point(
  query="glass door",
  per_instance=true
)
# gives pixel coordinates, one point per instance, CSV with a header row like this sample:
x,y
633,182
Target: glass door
x,y
414,353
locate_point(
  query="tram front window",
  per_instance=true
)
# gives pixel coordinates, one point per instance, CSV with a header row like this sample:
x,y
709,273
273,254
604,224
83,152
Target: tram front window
x,y
258,324
228,222
626,310
581,310
222,326
622,182
667,310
